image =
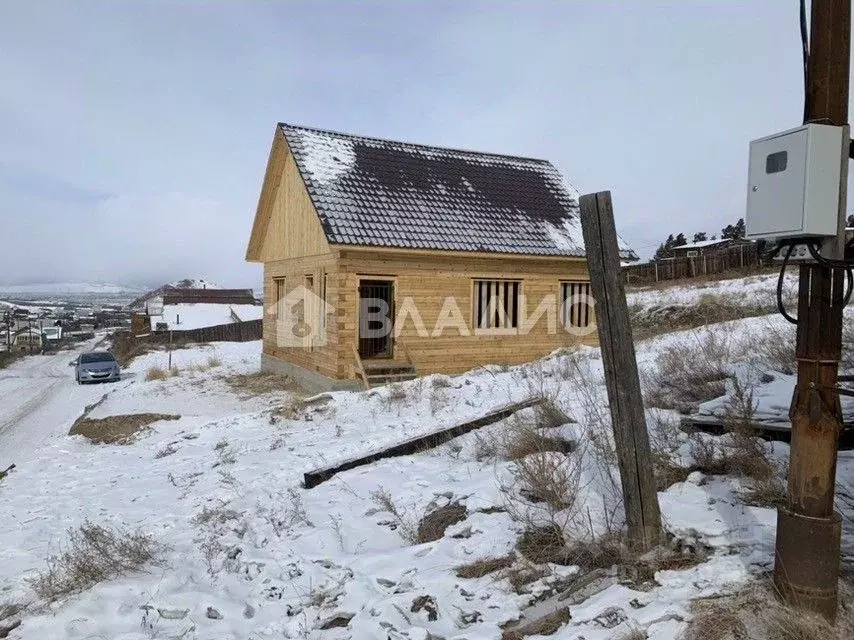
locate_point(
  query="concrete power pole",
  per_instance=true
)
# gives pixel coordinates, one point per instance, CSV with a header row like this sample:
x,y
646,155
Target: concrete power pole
x,y
807,555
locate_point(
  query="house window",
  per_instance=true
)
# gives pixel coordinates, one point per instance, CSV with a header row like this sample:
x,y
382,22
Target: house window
x,y
691,253
575,308
280,296
496,304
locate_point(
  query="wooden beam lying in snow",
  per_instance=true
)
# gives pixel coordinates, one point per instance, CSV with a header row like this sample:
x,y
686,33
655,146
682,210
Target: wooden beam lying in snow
x,y
419,443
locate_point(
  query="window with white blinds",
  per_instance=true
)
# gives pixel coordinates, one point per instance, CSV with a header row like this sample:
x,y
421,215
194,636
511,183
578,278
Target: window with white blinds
x,y
496,304
575,310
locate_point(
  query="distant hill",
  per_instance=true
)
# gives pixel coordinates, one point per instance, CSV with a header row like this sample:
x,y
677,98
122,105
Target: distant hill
x,y
59,288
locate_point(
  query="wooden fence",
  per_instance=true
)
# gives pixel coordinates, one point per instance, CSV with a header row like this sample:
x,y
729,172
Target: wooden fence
x,y
231,332
742,256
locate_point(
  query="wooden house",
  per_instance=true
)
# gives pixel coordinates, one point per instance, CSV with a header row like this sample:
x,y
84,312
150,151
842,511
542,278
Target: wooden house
x,y
704,248
28,339
452,252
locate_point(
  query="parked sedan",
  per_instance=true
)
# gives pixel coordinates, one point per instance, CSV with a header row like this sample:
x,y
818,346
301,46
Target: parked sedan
x,y
96,366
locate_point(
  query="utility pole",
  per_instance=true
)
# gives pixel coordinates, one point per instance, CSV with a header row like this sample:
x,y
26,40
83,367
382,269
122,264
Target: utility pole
x,y
807,554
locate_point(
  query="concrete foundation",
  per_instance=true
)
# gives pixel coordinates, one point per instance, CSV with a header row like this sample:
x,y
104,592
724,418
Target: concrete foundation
x,y
311,381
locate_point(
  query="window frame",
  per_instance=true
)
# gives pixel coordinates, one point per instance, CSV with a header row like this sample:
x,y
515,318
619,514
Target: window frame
x,y
566,314
511,323
281,291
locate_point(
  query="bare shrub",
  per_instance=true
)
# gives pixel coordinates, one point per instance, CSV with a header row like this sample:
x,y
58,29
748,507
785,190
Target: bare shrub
x,y
213,362
485,566
396,392
220,514
156,373
166,451
549,479
522,440
119,429
441,382
772,347
284,511
92,554
549,415
770,493
405,524
486,446
714,456
690,373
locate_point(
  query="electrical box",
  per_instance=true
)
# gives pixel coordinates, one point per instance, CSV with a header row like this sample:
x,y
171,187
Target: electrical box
x,y
793,183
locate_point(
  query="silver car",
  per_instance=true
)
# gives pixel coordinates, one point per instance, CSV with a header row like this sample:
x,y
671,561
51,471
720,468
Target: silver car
x,y
96,366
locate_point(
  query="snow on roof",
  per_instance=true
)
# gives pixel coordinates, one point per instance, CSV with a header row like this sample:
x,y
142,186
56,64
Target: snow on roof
x,y
702,243
373,192
195,316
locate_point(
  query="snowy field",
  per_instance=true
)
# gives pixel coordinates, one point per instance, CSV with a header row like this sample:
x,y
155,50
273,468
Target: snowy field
x,y
247,552
756,290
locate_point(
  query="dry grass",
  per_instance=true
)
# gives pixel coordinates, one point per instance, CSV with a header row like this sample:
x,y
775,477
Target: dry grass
x,y
545,626
156,373
544,544
92,554
126,347
8,357
116,429
484,567
214,362
261,383
522,440
757,613
549,415
433,525
689,373
710,309
548,479
520,576
404,523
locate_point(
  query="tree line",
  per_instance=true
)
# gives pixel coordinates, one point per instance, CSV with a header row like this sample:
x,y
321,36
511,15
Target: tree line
x,y
734,231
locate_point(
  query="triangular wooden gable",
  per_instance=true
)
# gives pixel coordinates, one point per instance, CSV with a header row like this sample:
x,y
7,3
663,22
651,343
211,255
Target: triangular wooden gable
x,y
286,224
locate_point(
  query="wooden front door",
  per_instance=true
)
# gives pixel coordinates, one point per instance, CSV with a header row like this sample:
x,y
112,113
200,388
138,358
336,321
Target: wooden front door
x,y
376,318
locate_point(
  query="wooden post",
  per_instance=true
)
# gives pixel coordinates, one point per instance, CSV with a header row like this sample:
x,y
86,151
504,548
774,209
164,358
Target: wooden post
x,y
621,371
806,567
656,270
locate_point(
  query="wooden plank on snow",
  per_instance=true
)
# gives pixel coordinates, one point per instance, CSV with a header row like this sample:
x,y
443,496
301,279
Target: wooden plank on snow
x,y
418,443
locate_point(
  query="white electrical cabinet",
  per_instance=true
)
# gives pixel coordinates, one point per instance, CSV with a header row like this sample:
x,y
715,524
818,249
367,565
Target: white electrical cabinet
x,y
793,183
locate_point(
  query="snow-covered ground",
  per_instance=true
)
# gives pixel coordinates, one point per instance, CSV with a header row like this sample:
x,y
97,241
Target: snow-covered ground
x,y
221,489
757,290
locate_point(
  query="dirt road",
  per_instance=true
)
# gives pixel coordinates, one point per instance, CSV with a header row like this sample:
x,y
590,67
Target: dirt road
x,y
39,401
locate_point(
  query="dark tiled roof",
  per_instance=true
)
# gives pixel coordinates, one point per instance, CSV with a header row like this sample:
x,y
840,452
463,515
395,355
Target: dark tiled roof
x,y
382,193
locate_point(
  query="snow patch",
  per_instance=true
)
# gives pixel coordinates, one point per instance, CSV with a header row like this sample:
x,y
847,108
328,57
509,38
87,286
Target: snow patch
x,y
326,158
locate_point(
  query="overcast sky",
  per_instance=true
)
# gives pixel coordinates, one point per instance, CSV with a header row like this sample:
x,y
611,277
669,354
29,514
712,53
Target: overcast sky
x,y
134,135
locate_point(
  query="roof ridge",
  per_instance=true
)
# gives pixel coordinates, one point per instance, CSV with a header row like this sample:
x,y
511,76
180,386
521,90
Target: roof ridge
x,y
418,144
